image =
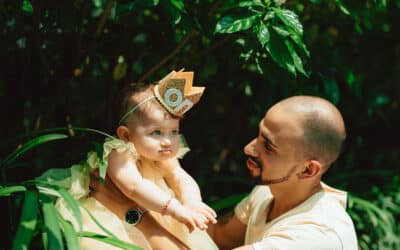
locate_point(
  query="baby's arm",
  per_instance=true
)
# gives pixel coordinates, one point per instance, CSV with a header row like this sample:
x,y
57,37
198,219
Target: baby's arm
x,y
186,189
123,172
180,181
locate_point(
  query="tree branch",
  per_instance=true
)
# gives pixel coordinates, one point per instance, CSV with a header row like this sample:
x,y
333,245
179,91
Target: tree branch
x,y
103,18
178,48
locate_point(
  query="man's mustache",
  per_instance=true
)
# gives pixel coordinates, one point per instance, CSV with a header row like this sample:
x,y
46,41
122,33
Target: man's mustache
x,y
256,160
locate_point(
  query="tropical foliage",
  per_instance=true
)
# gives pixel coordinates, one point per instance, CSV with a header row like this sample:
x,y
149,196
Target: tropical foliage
x,y
64,61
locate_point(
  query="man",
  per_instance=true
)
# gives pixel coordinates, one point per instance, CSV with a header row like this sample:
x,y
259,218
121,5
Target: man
x,y
299,138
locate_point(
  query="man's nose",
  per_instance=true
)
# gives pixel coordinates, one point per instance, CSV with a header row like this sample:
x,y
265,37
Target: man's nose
x,y
250,148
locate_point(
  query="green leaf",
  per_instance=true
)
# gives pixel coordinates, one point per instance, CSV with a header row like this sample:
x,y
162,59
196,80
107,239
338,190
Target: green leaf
x,y
110,240
98,223
71,237
72,203
228,202
262,34
178,4
343,8
6,191
253,3
28,221
52,227
172,11
300,44
290,19
296,58
280,53
31,144
27,6
281,31
102,165
228,25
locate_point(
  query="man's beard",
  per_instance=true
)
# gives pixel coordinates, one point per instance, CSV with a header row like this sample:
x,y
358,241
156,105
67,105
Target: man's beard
x,y
258,179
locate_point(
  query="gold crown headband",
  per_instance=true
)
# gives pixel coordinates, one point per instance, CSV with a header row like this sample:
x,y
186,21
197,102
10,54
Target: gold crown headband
x,y
175,93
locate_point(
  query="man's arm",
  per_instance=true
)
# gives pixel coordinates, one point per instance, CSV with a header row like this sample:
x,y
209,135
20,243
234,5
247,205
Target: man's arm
x,y
229,232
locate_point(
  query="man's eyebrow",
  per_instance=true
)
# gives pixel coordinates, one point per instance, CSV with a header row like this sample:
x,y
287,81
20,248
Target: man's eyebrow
x,y
267,140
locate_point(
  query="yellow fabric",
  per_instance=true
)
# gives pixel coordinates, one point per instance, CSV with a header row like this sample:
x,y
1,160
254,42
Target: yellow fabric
x,y
77,183
320,222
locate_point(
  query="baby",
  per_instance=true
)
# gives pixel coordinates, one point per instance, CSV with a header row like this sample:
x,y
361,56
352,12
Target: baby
x,y
142,162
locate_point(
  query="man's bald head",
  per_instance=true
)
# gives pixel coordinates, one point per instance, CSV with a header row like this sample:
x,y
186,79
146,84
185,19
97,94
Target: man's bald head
x,y
322,124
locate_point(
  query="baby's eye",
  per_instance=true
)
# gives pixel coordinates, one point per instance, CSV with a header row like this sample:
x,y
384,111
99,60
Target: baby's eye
x,y
174,132
156,132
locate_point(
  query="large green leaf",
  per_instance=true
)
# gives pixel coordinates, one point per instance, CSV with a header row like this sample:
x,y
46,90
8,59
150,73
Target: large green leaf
x,y
6,191
51,226
280,53
71,237
62,129
28,221
228,24
296,58
31,144
290,19
110,240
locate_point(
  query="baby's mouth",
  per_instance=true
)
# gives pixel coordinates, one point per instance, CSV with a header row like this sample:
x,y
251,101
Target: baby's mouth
x,y
165,151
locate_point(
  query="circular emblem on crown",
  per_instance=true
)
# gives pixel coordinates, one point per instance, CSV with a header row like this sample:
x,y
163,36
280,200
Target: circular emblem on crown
x,y
176,93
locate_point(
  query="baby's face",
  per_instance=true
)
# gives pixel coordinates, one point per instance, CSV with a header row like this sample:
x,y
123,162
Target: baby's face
x,y
155,137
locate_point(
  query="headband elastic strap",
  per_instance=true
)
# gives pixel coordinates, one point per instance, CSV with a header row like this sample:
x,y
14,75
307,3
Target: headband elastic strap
x,y
134,108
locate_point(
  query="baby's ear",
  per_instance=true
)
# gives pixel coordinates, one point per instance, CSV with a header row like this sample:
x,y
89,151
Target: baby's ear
x,y
123,133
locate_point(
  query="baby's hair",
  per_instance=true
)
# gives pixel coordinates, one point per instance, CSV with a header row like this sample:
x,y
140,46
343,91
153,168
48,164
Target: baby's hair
x,y
134,93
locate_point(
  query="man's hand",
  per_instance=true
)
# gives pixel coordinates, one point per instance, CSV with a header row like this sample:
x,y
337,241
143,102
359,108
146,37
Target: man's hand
x,y
109,195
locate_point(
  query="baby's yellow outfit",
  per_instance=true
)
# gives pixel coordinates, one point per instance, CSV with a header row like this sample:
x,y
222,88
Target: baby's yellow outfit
x,y
77,183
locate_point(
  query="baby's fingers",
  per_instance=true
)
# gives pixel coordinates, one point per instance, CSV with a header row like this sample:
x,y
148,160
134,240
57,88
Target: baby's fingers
x,y
190,224
210,211
201,221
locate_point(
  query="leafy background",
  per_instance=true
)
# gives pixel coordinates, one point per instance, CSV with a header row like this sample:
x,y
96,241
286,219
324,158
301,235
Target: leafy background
x,y
64,61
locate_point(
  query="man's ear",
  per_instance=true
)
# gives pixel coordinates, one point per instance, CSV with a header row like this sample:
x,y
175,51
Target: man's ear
x,y
123,133
311,169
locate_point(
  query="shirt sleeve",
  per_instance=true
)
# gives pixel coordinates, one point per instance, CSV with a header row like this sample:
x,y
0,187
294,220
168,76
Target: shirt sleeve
x,y
301,236
244,208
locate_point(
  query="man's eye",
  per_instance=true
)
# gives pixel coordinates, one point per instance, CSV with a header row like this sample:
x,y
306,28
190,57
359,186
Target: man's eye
x,y
268,147
156,132
174,132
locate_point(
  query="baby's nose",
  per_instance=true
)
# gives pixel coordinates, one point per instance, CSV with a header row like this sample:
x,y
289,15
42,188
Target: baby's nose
x,y
165,142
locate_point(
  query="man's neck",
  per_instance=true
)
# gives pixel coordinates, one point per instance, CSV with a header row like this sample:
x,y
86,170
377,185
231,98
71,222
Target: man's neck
x,y
287,199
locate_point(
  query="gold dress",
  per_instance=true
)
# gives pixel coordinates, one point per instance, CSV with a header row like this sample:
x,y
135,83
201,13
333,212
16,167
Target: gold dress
x,y
76,181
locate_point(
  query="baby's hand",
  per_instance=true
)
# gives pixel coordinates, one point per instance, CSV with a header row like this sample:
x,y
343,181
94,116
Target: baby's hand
x,y
202,209
197,217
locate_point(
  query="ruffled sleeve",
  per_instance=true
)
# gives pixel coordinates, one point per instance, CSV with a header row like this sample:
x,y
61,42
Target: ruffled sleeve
x,y
76,178
120,146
